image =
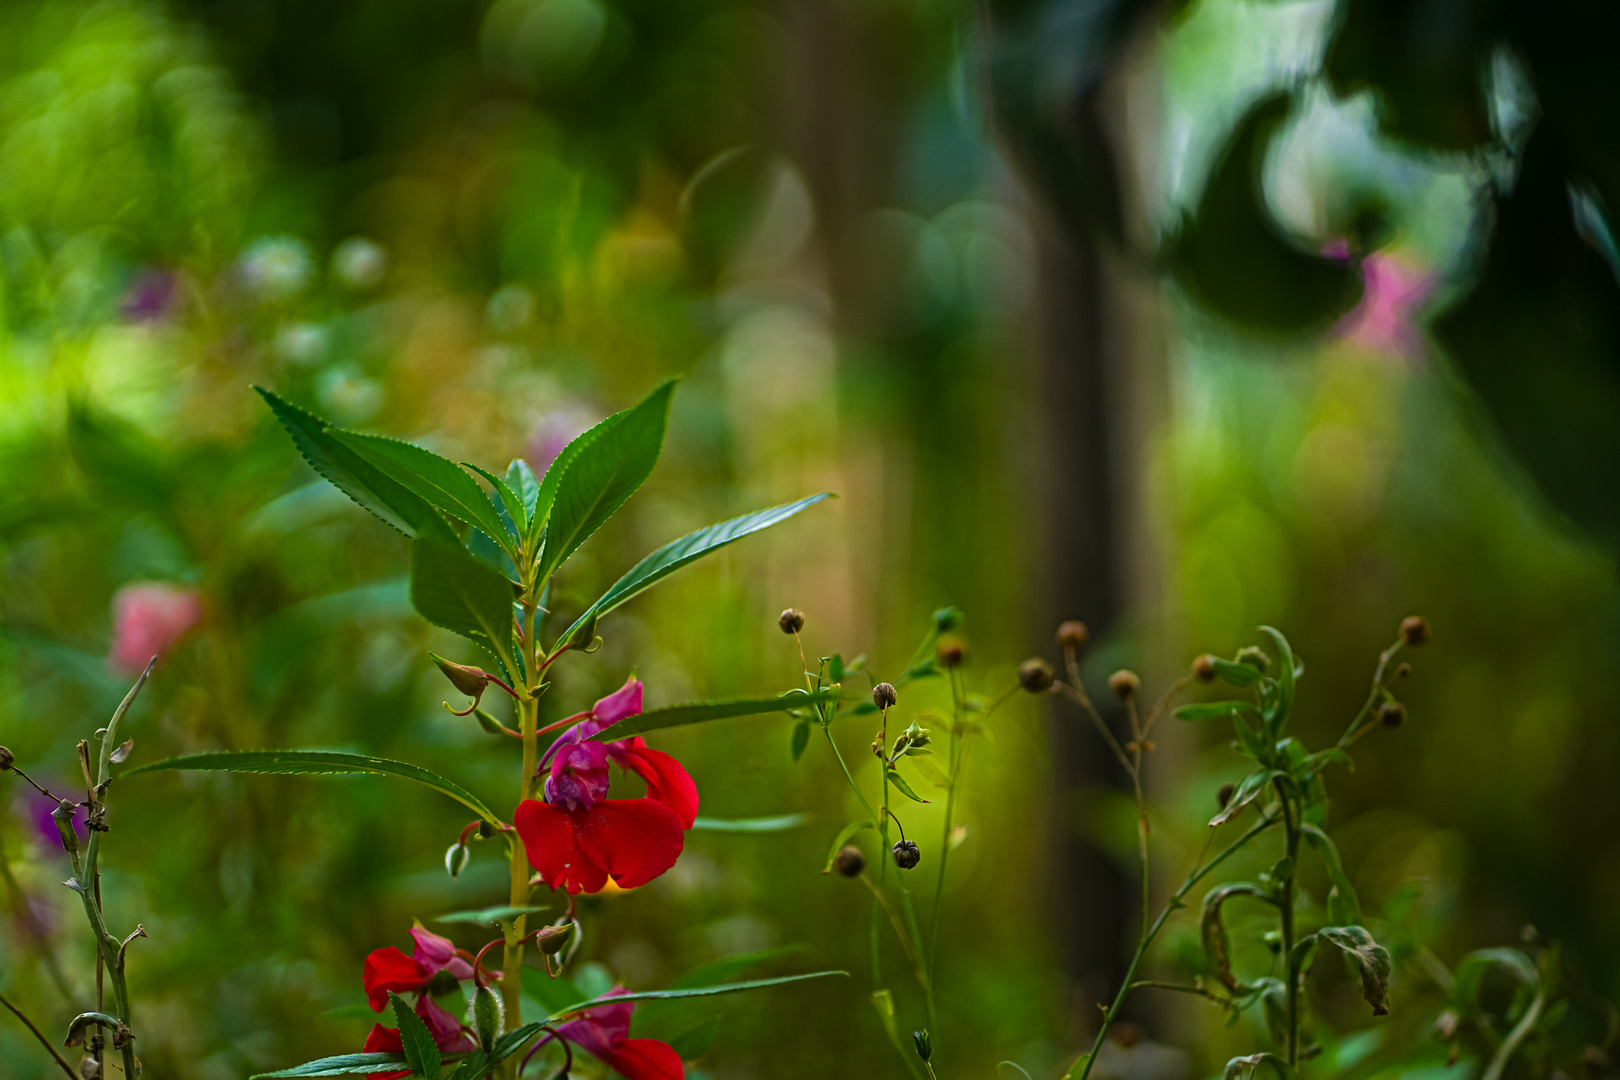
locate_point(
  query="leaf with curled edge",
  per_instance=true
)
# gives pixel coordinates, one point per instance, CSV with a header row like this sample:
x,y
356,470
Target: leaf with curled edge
x,y
1343,905
1247,791
1217,948
1371,957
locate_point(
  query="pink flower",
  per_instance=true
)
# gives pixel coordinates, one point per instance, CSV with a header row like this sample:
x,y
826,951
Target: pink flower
x,y
1386,317
553,431
391,970
148,618
604,1033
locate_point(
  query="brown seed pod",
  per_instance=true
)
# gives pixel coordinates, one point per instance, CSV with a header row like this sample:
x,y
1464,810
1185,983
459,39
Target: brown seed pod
x,y
1124,684
849,861
1392,714
1415,630
884,696
1204,668
951,654
791,621
1035,675
1073,634
906,854
6,759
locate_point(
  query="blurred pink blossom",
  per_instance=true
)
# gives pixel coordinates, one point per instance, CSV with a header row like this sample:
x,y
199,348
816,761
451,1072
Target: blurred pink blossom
x,y
148,618
1386,317
553,431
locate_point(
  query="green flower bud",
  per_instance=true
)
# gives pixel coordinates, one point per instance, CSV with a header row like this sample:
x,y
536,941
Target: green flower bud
x,y
551,939
485,1016
925,1045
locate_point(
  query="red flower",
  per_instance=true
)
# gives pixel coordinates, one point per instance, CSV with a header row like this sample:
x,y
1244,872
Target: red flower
x,y
578,837
148,618
391,970
604,1033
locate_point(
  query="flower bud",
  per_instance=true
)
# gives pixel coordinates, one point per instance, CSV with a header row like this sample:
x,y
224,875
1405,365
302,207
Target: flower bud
x,y
1035,675
925,1045
1204,668
551,939
947,619
1124,684
951,654
1254,656
469,680
906,855
485,1014
6,758
1415,630
1403,671
791,621
1392,714
63,815
1073,634
1224,795
850,861
456,859
884,696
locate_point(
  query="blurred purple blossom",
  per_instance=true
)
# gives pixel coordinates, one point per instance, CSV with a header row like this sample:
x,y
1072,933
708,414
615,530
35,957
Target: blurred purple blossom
x,y
151,296
38,809
553,431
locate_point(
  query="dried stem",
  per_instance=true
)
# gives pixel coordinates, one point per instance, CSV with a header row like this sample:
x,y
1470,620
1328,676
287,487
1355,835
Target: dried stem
x,y
43,1041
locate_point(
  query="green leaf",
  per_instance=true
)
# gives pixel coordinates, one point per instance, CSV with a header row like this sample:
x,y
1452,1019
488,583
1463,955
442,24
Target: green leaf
x,y
451,589
1371,957
515,508
801,738
779,823
696,1040
1234,674
1285,680
715,972
492,915
1343,905
932,773
689,548
520,478
355,1010
341,1065
689,992
316,763
835,662
1215,710
843,837
904,788
546,495
438,480
421,1052
478,1064
1247,791
356,477
594,483
701,711
1212,930
1471,971
550,993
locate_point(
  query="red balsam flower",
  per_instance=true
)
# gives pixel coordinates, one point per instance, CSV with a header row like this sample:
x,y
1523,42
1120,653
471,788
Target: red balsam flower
x,y
391,970
578,837
604,1033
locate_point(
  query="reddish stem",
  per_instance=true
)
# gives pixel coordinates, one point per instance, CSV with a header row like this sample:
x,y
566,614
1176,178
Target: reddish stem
x,y
565,721
479,971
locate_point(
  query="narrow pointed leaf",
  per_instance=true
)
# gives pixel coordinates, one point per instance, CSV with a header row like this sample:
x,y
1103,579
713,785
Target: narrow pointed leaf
x,y
1371,957
1343,905
1214,710
478,1064
780,823
452,589
594,483
520,478
438,480
1285,678
515,509
1235,674
356,477
1247,791
904,788
421,1052
546,493
317,763
341,1065
671,557
689,992
701,711
492,915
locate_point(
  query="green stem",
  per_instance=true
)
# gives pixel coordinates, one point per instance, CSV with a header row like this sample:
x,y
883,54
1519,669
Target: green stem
x,y
1358,725
518,894
1170,906
1285,903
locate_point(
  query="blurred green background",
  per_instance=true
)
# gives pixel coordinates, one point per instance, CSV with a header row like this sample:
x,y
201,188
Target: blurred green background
x,y
483,226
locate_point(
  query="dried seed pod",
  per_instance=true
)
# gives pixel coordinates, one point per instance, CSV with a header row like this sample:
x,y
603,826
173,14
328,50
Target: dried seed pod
x,y
791,621
1204,668
850,861
1035,675
884,696
1124,684
906,854
1392,714
1073,634
1415,630
6,759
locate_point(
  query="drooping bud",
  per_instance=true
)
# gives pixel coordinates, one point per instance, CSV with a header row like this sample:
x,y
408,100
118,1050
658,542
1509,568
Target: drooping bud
x,y
951,654
906,854
1415,630
884,696
485,1015
1035,675
1224,795
791,621
1392,714
6,759
1254,656
1204,668
63,816
850,861
470,681
1124,684
925,1045
456,859
551,939
1073,634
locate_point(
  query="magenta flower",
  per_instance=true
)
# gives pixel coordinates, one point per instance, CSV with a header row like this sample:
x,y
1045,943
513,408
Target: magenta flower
x,y
604,1033
148,618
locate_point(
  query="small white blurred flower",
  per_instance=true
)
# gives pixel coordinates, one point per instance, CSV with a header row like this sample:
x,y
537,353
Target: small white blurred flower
x,y
301,343
359,263
509,309
276,267
346,393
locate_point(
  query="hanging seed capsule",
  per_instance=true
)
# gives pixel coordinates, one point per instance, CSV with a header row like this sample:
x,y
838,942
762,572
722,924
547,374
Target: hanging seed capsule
x,y
791,621
1035,675
884,696
1124,684
1073,634
906,855
850,861
1415,630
